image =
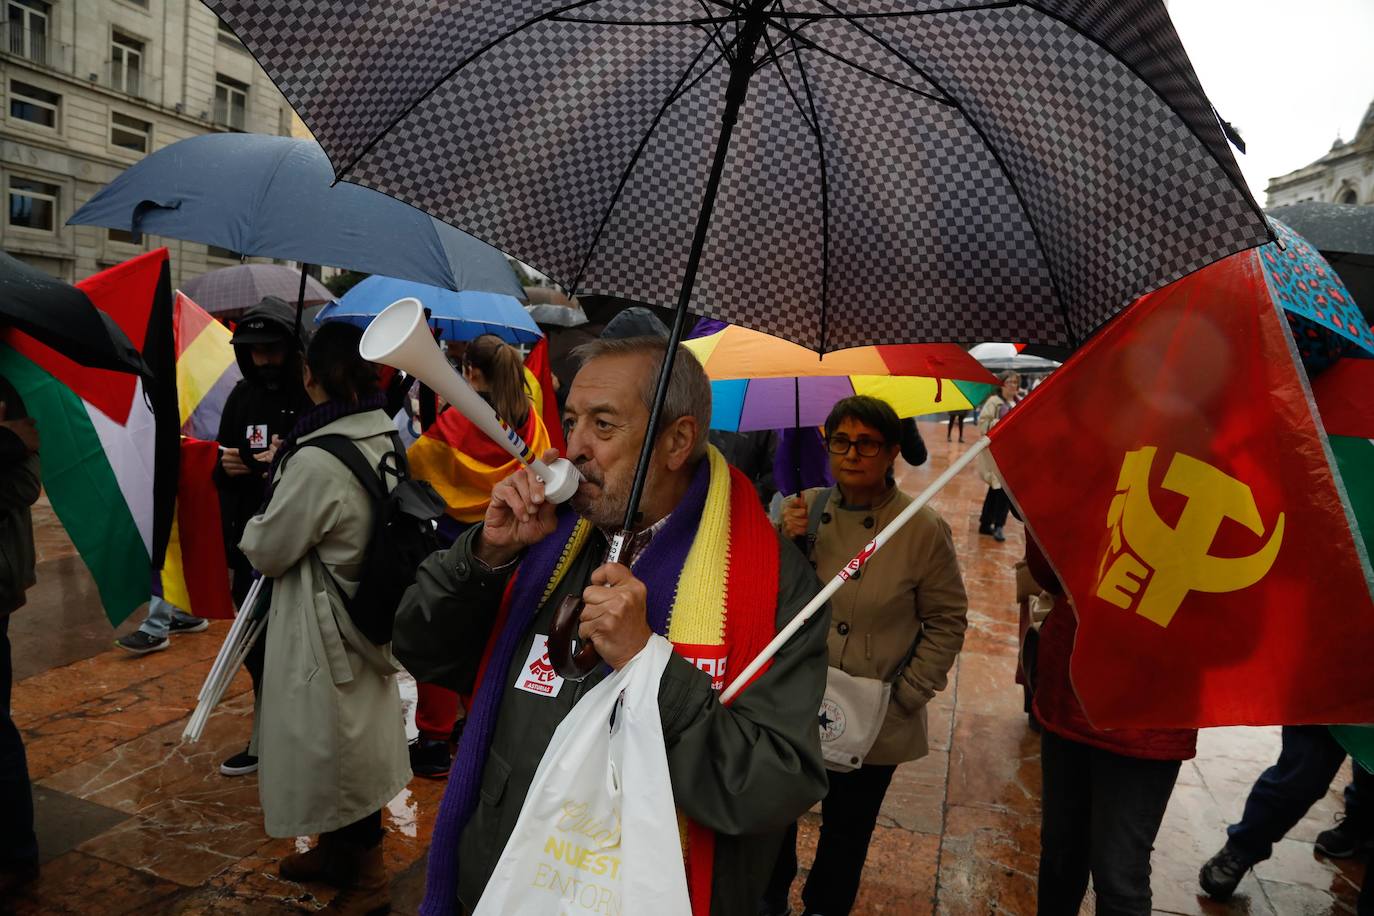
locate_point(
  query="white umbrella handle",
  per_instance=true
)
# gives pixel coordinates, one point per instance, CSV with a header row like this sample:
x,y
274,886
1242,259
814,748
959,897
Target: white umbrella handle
x,y
850,568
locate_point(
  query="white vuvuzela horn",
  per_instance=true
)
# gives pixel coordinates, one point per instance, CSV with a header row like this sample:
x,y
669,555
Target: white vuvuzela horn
x,y
400,337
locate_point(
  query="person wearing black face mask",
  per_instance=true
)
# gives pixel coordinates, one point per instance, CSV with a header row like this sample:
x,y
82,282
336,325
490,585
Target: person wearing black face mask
x,y
260,412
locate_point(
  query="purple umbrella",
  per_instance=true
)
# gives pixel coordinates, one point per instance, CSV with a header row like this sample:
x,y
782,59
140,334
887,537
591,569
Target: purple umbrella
x,y
233,289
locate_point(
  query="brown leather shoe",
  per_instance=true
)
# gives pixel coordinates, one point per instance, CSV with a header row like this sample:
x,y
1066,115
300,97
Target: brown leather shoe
x,y
370,892
323,862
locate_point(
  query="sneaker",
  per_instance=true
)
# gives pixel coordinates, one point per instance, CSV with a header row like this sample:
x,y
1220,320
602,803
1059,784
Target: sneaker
x,y
140,643
1221,873
241,764
997,534
985,529
1342,841
182,625
429,758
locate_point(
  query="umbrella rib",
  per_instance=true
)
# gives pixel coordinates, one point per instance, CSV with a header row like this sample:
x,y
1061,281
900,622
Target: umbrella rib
x,y
714,33
814,122
796,35
684,85
405,112
702,21
997,157
902,14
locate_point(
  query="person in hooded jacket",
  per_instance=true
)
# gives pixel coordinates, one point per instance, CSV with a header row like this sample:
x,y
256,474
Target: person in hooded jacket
x,y
260,412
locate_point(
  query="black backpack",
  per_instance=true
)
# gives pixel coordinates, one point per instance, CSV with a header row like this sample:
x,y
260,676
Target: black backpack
x,y
402,535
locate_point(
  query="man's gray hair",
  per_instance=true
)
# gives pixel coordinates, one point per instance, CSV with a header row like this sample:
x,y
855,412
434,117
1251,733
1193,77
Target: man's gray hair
x,y
689,390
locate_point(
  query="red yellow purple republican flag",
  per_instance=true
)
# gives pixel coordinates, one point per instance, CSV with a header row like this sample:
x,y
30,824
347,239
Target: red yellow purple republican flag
x,y
194,576
463,464
1181,484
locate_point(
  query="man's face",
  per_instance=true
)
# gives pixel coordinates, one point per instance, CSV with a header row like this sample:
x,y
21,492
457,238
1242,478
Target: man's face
x,y
604,420
273,354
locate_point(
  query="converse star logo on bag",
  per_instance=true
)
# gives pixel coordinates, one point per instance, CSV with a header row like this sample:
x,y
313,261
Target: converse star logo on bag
x,y
832,720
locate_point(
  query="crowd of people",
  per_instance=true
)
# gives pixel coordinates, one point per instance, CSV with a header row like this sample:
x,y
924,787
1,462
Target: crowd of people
x,y
328,741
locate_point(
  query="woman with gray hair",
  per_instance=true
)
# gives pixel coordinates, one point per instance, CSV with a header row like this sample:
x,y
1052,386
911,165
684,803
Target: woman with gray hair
x,y
996,504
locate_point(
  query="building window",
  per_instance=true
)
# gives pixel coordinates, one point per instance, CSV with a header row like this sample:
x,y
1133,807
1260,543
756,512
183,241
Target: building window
x,y
227,36
126,64
27,22
127,238
130,133
231,103
33,204
228,254
37,106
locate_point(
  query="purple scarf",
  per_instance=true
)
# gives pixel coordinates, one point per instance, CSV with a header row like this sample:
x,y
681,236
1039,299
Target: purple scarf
x,y
658,568
316,419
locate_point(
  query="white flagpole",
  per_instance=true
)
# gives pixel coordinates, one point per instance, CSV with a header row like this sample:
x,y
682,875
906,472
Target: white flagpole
x,y
850,568
237,642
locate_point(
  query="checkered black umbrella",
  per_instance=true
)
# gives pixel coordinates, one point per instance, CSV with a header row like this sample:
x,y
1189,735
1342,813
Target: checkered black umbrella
x,y
900,170
834,172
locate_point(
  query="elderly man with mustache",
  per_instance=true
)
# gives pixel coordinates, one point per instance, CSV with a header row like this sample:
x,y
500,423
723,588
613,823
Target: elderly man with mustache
x,y
478,617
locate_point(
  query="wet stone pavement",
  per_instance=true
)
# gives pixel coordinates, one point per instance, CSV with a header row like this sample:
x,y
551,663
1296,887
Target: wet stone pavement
x,y
132,820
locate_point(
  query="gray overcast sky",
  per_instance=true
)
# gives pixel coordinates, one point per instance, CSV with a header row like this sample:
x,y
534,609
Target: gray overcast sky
x,y
1289,75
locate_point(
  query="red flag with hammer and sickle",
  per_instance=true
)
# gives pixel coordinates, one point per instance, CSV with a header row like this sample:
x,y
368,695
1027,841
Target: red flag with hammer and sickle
x,y
1178,480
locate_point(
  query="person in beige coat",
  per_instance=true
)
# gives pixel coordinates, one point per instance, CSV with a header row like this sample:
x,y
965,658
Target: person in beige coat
x,y
901,619
330,735
996,504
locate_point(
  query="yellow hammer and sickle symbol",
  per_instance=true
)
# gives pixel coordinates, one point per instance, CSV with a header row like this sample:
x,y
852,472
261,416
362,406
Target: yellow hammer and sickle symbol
x,y
1176,559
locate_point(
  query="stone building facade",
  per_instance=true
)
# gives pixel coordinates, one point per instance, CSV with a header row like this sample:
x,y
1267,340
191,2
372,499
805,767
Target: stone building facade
x,y
91,86
1344,176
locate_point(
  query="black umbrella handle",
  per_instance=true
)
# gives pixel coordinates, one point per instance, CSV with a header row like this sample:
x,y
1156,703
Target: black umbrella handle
x,y
573,666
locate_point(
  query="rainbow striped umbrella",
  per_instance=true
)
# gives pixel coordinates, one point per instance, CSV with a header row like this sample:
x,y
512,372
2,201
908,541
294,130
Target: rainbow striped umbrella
x,y
763,382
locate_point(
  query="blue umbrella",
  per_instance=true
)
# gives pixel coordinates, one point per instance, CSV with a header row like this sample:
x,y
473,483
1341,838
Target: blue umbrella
x,y
275,197
457,316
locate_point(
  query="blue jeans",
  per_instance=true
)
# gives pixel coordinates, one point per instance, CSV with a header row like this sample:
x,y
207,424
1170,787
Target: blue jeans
x,y
160,614
18,845
1100,815
1309,759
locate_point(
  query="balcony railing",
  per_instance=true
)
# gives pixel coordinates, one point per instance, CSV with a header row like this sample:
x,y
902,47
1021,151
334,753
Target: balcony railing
x,y
134,82
36,47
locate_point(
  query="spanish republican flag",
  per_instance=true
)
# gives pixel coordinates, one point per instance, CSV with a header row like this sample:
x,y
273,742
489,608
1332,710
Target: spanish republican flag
x,y
194,576
539,378
1178,479
463,464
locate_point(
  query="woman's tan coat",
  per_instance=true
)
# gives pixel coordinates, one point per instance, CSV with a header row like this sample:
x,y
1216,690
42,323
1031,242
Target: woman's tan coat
x,y
901,619
329,731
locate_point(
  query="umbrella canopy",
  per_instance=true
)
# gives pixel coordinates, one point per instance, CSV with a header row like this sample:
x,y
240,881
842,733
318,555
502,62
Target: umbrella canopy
x,y
61,316
457,316
275,197
1003,356
932,171
1344,234
763,382
1305,286
233,289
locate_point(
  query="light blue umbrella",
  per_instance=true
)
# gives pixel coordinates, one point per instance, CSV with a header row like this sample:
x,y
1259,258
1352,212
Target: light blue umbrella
x,y
457,316
275,197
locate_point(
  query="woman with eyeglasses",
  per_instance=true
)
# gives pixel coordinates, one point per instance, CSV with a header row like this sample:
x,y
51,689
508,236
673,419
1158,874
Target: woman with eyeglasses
x,y
899,623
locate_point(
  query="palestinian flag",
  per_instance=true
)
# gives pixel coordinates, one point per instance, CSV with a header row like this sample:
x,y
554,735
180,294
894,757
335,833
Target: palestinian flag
x,y
1344,400
194,576
110,440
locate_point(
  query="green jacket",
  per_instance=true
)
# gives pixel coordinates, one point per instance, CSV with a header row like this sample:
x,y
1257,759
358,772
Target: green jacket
x,y
19,488
745,772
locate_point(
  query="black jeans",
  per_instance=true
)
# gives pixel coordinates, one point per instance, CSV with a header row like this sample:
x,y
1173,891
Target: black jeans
x,y
1100,815
1308,760
996,505
848,815
18,845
